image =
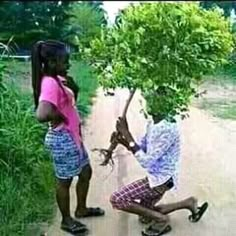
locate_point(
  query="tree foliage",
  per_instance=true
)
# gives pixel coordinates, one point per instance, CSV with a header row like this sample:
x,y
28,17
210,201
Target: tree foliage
x,y
227,6
31,21
98,6
84,23
39,20
163,50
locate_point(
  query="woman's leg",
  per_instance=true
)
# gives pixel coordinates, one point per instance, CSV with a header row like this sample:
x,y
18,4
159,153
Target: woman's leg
x,y
65,158
82,188
63,199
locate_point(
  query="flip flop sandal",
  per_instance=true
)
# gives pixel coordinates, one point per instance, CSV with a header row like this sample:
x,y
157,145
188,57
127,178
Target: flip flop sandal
x,y
195,217
150,231
76,229
92,212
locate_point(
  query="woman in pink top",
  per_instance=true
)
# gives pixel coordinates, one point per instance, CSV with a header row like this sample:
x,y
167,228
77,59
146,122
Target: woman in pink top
x,y
54,95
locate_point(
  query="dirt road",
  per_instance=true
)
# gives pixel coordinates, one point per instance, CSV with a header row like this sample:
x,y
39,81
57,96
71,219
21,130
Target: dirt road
x,y
208,171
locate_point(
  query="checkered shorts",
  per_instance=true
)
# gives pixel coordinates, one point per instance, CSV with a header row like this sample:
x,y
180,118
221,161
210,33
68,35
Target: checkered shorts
x,y
68,159
139,192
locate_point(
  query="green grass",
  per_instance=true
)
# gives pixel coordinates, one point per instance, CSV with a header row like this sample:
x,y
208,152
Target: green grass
x,y
26,180
223,79
27,187
219,108
18,72
226,74
88,84
229,71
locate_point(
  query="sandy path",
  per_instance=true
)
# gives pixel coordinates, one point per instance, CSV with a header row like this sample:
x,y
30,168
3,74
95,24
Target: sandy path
x,y
208,170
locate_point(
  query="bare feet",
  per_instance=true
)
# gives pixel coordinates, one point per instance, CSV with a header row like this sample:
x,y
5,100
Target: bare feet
x,y
193,204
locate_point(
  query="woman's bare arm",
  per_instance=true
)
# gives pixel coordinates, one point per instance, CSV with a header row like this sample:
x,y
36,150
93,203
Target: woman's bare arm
x,y
47,112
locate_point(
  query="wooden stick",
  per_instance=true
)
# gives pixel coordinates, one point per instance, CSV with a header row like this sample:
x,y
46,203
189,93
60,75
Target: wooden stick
x,y
132,92
113,144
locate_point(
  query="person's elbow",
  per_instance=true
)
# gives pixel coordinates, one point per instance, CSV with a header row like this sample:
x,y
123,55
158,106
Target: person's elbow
x,y
41,117
42,113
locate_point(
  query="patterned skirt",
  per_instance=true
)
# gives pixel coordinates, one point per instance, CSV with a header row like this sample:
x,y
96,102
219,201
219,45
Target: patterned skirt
x,y
68,158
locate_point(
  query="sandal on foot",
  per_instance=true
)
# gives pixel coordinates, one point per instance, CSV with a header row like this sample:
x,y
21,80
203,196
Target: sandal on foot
x,y
195,217
76,228
150,231
91,212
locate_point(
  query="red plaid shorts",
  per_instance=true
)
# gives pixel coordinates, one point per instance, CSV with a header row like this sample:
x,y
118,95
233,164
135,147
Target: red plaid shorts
x,y
138,191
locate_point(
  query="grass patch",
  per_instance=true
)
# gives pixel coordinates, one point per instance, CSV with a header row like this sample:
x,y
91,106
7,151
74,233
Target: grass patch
x,y
226,74
18,72
88,84
223,81
220,80
26,174
219,108
26,177
229,71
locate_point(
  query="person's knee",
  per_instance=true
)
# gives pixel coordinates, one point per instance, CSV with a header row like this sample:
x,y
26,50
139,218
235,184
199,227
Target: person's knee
x,y
117,201
114,200
64,183
86,174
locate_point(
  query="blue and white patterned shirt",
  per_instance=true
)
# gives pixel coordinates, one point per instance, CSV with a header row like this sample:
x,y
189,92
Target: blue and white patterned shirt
x,y
160,152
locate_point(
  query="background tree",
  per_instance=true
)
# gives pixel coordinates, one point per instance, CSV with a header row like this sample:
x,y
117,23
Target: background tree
x,y
98,5
227,6
39,20
84,23
31,21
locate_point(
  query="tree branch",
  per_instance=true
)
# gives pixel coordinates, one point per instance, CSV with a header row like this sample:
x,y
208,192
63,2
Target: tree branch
x,y
107,153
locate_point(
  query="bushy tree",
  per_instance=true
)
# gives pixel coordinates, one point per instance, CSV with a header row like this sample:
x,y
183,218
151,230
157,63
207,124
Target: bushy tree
x,y
162,49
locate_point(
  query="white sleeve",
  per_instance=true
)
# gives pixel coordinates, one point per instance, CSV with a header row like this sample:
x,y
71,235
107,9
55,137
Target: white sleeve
x,y
160,144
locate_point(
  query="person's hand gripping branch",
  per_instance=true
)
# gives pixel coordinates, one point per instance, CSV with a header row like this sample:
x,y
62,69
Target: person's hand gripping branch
x,y
124,136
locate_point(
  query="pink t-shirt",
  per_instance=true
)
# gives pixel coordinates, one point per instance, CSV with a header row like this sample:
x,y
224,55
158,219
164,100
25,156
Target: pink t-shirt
x,y
63,100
